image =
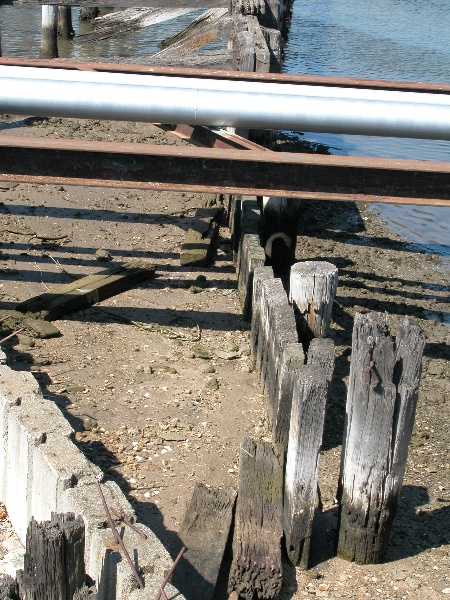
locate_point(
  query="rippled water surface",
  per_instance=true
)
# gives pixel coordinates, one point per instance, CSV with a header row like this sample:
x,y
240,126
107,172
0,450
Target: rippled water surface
x,y
383,39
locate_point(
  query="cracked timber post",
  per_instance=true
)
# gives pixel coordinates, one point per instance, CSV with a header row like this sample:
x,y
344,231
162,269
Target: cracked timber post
x,y
312,289
381,405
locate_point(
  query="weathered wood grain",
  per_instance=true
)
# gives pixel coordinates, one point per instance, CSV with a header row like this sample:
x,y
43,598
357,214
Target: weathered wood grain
x,y
313,286
121,22
260,275
302,461
292,359
204,531
87,291
256,568
197,245
381,403
8,588
321,354
54,559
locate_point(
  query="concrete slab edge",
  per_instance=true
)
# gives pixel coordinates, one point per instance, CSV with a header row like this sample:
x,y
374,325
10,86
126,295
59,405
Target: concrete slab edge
x,y
41,470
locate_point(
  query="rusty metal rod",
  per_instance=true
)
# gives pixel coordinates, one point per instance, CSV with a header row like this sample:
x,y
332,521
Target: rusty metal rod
x,y
117,537
11,335
127,522
169,574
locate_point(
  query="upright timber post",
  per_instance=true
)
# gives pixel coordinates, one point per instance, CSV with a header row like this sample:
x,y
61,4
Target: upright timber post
x,y
49,42
381,405
65,29
0,42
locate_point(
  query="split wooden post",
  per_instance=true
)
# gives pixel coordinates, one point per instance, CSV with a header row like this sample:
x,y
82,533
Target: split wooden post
x,y
65,29
49,41
312,289
381,404
256,568
302,462
54,559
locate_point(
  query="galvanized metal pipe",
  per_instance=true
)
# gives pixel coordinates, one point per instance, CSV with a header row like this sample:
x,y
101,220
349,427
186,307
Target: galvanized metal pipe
x,y
68,93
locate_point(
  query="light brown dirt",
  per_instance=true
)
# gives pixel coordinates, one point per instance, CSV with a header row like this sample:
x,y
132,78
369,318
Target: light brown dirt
x,y
157,418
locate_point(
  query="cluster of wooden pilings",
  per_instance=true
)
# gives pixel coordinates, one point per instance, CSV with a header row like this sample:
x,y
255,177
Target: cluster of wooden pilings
x,y
278,480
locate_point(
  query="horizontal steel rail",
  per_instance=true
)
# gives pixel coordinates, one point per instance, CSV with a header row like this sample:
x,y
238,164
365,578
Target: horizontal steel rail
x,y
282,78
253,172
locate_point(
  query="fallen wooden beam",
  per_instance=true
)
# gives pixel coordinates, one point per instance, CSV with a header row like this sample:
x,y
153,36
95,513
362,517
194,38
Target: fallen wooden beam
x,y
256,567
204,532
86,291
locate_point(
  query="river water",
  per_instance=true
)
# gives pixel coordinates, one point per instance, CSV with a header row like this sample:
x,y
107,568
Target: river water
x,y
384,39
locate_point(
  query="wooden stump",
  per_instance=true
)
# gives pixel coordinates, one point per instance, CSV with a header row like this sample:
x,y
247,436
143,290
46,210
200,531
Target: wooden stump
x,y
54,559
49,43
381,404
256,567
204,532
196,248
312,289
302,461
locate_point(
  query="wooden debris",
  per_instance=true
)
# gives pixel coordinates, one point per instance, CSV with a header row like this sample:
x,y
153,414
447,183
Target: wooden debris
x,y
86,291
256,567
381,405
210,25
204,532
123,21
302,461
54,558
197,245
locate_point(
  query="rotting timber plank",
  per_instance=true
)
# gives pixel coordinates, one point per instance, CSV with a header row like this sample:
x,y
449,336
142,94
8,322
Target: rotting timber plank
x,y
196,248
256,566
204,532
87,291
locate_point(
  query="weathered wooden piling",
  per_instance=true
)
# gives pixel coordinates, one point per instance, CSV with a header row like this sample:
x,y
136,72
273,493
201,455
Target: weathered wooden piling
x,y
302,461
54,559
49,35
65,28
381,404
312,289
256,567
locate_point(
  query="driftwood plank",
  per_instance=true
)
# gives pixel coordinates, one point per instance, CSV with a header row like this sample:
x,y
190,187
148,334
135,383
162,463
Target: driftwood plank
x,y
204,532
256,567
302,461
381,404
197,245
87,291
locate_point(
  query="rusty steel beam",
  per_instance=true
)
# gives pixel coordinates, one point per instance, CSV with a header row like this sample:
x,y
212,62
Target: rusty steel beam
x,y
352,82
199,135
261,173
